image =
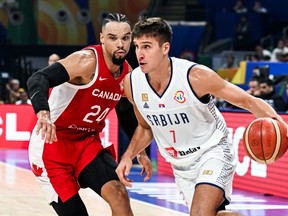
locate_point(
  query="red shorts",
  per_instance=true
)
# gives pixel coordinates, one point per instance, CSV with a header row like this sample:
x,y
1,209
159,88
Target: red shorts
x,y
63,162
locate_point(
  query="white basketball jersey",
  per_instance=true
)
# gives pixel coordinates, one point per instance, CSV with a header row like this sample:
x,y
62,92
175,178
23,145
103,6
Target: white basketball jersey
x,y
182,125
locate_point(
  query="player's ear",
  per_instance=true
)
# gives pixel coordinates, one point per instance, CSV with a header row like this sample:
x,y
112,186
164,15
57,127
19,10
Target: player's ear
x,y
166,47
101,38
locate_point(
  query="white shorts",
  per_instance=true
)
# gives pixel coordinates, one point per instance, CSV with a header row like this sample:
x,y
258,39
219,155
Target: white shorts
x,y
216,167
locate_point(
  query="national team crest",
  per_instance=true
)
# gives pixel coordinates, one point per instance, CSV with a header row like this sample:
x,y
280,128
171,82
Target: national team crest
x,y
179,96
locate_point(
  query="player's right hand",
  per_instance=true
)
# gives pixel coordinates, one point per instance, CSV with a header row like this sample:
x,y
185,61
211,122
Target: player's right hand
x,y
123,171
46,127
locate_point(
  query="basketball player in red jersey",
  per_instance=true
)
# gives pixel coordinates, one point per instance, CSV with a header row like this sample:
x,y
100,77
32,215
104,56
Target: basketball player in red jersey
x,y
65,149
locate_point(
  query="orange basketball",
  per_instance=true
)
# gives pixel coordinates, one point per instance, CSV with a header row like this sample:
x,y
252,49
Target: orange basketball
x,y
265,140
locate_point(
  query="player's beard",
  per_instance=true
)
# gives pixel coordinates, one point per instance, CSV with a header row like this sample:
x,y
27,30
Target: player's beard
x,y
117,61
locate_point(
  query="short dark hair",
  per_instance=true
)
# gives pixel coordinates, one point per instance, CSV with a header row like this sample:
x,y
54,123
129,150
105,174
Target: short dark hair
x,y
267,81
115,17
153,27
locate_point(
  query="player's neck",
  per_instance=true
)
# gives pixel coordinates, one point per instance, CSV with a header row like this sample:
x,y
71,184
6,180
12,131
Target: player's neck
x,y
116,73
162,72
160,78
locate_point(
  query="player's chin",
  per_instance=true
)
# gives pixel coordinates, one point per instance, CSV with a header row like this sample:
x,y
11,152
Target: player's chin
x,y
143,67
117,60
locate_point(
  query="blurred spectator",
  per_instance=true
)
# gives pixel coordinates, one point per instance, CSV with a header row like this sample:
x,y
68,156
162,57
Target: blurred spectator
x,y
239,7
269,94
250,57
24,99
258,8
262,54
254,87
12,88
230,62
279,53
242,39
247,57
53,58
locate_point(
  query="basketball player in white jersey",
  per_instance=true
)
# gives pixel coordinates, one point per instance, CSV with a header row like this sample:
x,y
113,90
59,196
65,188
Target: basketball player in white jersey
x,y
65,149
172,100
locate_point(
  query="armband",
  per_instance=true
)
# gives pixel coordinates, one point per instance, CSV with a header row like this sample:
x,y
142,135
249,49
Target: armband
x,y
40,82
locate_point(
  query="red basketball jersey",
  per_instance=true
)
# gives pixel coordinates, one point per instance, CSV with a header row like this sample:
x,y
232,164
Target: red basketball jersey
x,y
83,109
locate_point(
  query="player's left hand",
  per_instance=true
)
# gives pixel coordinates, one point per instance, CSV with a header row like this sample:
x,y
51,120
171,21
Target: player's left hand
x,y
123,170
146,164
46,127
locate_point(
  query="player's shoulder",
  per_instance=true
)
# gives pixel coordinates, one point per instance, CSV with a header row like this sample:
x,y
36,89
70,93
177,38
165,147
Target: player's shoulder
x,y
178,62
90,50
80,54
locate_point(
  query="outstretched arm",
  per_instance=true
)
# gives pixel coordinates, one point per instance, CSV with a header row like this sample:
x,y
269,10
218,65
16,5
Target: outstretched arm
x,y
220,88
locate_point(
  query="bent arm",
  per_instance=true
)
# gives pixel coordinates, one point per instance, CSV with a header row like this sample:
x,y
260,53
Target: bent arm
x,y
78,64
141,139
143,135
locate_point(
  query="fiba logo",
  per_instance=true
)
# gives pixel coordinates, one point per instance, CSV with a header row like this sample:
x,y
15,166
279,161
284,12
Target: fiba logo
x,y
179,96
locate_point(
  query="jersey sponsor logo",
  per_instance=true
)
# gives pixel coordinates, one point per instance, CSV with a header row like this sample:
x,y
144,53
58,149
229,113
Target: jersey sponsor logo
x,y
102,78
179,96
86,129
189,151
175,153
106,95
168,119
